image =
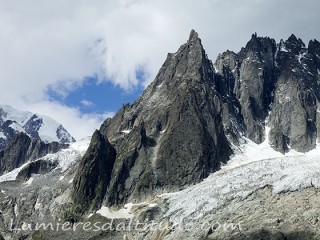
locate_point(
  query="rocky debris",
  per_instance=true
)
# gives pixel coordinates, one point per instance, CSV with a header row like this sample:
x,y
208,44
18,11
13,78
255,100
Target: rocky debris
x,y
263,215
94,173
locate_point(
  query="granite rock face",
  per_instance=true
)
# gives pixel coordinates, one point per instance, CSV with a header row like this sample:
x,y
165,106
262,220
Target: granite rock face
x,y
250,76
94,173
294,115
275,85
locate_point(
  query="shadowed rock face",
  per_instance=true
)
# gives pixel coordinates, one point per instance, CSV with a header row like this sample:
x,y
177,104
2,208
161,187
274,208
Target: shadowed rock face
x,y
277,84
181,128
22,149
36,167
250,78
94,172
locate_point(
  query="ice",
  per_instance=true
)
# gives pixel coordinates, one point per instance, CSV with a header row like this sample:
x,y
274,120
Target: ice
x,y
252,167
48,130
117,214
67,157
10,176
17,127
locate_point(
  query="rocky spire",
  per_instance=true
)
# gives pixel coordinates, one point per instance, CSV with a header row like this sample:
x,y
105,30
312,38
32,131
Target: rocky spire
x,y
173,134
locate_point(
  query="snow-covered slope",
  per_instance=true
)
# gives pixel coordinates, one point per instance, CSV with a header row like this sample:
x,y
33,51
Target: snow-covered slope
x,y
252,167
34,125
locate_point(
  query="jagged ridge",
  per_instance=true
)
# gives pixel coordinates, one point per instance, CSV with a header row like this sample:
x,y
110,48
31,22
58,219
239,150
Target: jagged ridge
x,y
182,127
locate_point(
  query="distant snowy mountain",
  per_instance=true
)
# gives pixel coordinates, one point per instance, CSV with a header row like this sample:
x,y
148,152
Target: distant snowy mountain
x,y
13,121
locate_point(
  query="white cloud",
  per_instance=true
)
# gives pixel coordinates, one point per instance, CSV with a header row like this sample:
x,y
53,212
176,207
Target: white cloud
x,y
58,43
78,124
87,103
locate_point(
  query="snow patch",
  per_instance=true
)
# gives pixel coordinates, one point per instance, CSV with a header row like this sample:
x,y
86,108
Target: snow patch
x,y
163,131
20,117
29,182
67,157
300,56
283,49
118,214
11,176
48,131
2,135
17,127
127,131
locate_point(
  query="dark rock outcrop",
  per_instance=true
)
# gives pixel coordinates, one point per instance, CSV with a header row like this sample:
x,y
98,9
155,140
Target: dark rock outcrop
x,y
22,149
274,84
94,173
250,78
293,119
36,167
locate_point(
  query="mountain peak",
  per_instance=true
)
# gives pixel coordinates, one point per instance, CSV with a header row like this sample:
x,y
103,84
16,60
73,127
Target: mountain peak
x,y
295,41
314,47
194,36
35,125
292,38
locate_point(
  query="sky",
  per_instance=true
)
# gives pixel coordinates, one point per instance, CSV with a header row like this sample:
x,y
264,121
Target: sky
x,y
78,61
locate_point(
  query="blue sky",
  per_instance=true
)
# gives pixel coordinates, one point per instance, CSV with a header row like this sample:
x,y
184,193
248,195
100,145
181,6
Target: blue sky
x,y
98,97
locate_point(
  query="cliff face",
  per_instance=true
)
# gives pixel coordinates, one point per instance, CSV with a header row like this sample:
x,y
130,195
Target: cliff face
x,y
94,173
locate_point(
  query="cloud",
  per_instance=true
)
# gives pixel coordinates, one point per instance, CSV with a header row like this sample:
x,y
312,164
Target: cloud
x,y
87,103
78,124
59,43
